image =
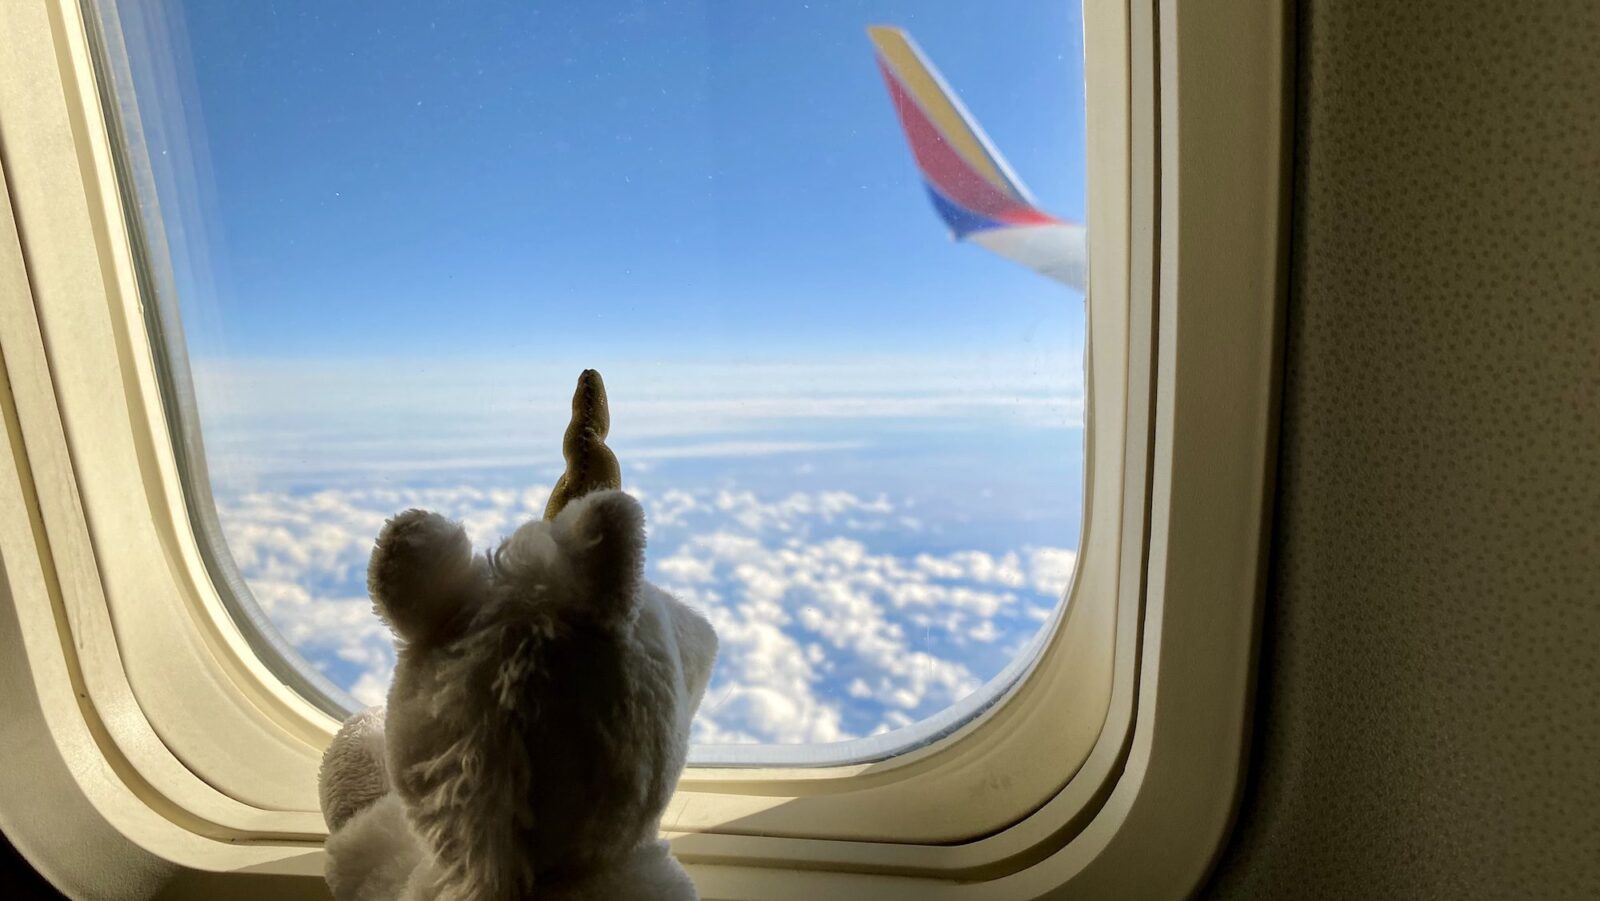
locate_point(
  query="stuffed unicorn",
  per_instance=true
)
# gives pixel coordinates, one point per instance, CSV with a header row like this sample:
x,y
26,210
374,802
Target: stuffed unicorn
x,y
539,714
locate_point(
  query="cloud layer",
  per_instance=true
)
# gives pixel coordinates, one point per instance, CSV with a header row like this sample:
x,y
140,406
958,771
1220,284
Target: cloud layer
x,y
268,421
865,534
836,621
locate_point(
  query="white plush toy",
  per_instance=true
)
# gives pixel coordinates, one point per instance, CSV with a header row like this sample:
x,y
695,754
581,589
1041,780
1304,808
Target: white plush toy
x,y
540,709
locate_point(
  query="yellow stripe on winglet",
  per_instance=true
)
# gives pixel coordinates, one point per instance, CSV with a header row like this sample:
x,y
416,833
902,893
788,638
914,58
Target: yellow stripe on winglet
x,y
896,51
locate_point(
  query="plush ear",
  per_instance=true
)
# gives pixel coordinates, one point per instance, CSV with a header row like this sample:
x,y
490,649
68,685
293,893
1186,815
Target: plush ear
x,y
601,535
697,648
422,576
354,772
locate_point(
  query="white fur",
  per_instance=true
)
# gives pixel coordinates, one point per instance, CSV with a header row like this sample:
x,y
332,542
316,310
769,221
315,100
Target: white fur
x,y
537,723
373,856
354,772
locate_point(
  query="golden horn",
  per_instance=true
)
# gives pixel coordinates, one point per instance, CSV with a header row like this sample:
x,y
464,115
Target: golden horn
x,y
591,466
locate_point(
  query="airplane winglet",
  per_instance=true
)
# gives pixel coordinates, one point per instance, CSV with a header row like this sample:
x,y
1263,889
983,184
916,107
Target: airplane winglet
x,y
972,188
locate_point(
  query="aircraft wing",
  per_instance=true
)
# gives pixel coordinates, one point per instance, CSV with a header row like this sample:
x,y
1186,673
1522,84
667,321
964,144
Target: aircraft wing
x,y
973,190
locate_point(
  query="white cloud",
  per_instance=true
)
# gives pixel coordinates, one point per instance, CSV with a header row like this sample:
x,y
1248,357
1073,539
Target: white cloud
x,y
723,449
371,689
683,569
824,635
267,419
1050,569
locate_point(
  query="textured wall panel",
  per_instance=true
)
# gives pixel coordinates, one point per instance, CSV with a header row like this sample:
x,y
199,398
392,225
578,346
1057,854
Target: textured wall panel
x,y
1429,708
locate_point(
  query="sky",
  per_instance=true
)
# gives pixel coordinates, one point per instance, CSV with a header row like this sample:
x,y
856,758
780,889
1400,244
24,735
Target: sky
x,y
397,231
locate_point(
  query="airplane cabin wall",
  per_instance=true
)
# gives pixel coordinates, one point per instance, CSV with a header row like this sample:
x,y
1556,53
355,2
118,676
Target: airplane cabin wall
x,y
1428,712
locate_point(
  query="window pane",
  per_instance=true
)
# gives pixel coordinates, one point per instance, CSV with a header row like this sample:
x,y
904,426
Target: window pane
x,y
394,233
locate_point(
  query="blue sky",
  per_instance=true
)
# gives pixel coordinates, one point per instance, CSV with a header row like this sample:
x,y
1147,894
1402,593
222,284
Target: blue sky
x,y
398,230
664,178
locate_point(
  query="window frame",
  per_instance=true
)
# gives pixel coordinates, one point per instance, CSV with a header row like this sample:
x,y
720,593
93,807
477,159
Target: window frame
x,y
1099,759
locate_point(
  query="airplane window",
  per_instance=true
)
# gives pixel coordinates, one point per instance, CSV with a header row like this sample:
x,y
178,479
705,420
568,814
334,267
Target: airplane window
x,y
841,323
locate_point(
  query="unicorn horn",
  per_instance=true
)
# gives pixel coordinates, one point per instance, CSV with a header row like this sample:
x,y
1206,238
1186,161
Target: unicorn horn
x,y
591,466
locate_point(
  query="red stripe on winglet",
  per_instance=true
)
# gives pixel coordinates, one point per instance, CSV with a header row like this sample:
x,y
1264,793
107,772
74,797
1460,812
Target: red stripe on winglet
x,y
948,171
